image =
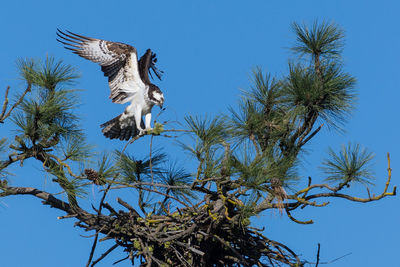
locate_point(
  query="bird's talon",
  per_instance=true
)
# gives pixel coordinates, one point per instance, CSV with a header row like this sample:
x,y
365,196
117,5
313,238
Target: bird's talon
x,y
145,131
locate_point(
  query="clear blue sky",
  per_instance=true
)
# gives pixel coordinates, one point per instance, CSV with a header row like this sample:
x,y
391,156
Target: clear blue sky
x,y
207,50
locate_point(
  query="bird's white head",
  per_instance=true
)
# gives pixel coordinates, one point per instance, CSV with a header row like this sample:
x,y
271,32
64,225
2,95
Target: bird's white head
x,y
155,95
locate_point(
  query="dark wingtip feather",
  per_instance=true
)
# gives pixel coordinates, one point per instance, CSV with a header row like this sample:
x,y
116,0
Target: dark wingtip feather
x,y
65,43
69,39
69,36
80,36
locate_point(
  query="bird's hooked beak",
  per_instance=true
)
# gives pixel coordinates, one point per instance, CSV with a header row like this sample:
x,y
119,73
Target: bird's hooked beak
x,y
161,103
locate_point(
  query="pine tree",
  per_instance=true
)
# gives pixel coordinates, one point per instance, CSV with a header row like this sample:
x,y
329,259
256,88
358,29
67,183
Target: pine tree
x,y
245,162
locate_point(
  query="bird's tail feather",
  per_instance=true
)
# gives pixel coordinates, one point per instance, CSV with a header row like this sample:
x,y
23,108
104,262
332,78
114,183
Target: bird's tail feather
x,y
112,129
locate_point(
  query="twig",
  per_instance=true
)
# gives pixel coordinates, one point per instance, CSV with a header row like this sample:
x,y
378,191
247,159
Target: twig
x,y
88,236
136,184
150,160
302,143
118,261
176,131
169,136
67,216
93,248
129,207
5,103
319,247
130,142
237,254
97,232
161,193
199,170
199,252
181,234
110,209
285,247
329,262
180,257
295,220
3,117
253,140
104,255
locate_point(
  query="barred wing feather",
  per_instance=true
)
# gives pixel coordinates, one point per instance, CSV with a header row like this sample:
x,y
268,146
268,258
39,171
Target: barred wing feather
x,y
118,61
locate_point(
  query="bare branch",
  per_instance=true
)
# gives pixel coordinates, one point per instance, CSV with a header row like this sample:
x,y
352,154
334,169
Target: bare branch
x,y
319,247
104,255
5,103
5,116
97,232
295,220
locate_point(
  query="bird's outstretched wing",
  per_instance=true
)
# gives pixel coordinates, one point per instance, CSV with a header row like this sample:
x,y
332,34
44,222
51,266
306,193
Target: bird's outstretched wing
x,y
118,61
147,63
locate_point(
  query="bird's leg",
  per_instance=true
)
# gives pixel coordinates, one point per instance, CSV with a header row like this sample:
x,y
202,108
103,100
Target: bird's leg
x,y
138,119
147,122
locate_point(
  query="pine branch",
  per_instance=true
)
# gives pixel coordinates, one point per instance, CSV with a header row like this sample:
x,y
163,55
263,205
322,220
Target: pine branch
x,y
305,199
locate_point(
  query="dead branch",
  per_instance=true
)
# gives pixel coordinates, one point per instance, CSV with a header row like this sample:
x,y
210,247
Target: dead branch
x,y
304,200
5,115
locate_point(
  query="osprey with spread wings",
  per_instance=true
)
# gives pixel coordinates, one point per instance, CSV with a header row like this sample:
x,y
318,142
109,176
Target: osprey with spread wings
x,y
128,79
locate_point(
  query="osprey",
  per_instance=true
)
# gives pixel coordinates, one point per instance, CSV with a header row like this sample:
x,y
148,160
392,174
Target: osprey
x,y
128,80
